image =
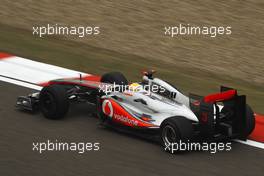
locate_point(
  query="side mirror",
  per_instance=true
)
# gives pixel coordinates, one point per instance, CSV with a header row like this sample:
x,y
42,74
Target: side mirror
x,y
149,73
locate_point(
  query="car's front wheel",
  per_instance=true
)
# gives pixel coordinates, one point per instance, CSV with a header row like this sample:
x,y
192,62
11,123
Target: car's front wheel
x,y
54,103
116,78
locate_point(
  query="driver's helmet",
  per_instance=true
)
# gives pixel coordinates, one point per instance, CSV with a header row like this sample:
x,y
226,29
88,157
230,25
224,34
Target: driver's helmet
x,y
135,87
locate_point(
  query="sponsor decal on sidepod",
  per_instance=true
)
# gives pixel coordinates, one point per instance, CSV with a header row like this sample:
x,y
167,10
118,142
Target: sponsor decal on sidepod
x,y
108,110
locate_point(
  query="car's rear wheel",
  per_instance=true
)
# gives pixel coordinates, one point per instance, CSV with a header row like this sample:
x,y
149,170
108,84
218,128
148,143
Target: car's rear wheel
x,y
54,103
174,130
250,118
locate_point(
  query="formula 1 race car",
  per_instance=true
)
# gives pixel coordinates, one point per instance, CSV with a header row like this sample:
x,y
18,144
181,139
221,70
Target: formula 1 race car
x,y
152,106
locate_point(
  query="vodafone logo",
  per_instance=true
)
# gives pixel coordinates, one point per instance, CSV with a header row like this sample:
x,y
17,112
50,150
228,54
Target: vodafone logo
x,y
108,108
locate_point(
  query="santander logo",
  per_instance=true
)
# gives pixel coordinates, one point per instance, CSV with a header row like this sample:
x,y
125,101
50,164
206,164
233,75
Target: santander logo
x,y
108,108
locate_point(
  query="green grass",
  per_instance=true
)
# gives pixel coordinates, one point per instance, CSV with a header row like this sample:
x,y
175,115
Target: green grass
x,y
86,58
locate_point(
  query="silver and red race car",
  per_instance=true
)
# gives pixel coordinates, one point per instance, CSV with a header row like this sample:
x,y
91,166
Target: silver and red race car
x,y
149,107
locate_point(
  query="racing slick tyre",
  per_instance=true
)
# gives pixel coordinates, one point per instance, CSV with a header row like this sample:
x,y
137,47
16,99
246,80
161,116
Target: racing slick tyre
x,y
114,77
175,130
54,103
250,118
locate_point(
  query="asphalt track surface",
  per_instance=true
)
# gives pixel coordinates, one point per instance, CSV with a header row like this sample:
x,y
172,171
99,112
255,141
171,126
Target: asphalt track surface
x,y
119,154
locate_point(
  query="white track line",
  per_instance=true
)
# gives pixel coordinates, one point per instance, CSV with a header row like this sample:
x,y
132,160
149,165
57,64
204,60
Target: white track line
x,y
20,83
34,72
252,143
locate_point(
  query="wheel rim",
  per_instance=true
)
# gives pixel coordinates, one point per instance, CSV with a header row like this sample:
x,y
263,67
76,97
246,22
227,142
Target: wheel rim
x,y
48,102
169,135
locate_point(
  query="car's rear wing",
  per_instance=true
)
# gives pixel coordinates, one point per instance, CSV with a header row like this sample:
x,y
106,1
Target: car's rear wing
x,y
219,97
223,113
